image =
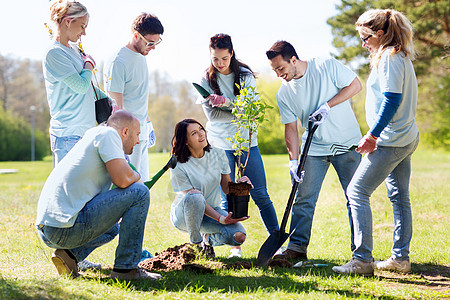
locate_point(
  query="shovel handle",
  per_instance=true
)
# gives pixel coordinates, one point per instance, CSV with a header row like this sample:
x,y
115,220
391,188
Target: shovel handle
x,y
170,164
311,129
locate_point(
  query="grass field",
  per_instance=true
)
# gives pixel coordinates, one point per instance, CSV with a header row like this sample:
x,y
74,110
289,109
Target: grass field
x,y
26,271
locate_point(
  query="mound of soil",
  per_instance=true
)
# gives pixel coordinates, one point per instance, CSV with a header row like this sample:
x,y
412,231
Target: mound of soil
x,y
180,258
171,258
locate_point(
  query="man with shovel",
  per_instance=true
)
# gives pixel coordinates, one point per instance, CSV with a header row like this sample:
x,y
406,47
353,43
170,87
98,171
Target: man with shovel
x,y
127,82
77,212
319,86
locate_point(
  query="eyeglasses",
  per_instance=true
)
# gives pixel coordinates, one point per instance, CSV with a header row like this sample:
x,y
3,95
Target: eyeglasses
x,y
364,40
150,44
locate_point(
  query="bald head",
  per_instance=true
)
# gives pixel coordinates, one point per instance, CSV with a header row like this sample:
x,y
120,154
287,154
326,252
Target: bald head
x,y
121,119
128,128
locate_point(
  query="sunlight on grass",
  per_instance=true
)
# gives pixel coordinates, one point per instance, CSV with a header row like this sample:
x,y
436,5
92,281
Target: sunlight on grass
x,y
27,271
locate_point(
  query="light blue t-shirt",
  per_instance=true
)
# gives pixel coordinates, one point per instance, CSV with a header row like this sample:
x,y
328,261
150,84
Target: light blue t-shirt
x,y
203,174
299,98
79,177
394,74
127,73
71,113
221,128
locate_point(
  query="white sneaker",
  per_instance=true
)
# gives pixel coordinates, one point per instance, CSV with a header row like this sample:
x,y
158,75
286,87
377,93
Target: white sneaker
x,y
85,264
355,266
136,274
391,264
235,252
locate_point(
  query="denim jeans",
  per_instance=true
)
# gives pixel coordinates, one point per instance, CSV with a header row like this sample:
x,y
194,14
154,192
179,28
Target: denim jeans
x,y
255,172
189,215
316,168
61,146
97,224
393,165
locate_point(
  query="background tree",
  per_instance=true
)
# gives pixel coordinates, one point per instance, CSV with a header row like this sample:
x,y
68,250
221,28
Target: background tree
x,y
432,40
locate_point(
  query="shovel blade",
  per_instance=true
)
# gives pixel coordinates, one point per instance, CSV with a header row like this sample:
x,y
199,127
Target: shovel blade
x,y
275,240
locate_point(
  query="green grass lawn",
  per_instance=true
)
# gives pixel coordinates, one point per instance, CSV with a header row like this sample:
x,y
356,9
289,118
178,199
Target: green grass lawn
x,y
26,270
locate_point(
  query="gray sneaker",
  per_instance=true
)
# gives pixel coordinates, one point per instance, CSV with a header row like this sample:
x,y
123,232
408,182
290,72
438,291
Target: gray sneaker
x,y
85,265
65,265
136,274
355,266
391,264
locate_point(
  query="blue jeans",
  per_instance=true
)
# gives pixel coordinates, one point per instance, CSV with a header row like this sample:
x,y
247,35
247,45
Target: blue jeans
x,y
61,146
316,168
97,224
393,165
255,172
189,215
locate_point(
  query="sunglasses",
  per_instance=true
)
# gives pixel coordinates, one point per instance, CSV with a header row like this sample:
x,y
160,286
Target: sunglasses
x,y
149,44
364,40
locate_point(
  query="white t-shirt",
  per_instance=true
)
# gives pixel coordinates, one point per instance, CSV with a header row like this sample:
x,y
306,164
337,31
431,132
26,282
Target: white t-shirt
x,y
127,73
203,174
71,113
395,74
79,177
222,128
299,98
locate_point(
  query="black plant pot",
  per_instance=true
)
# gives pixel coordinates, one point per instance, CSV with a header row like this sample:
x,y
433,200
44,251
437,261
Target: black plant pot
x,y
238,205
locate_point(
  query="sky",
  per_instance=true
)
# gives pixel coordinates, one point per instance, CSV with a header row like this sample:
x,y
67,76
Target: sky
x,y
254,25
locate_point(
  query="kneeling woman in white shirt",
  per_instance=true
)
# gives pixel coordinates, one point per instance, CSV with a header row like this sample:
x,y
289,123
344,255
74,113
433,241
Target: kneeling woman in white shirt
x,y
200,172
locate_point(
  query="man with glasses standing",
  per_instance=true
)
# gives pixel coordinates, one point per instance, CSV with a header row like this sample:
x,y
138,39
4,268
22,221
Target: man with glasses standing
x,y
318,86
127,81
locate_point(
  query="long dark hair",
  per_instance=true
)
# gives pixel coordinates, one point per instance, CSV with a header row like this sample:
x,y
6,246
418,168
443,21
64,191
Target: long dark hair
x,y
223,41
179,140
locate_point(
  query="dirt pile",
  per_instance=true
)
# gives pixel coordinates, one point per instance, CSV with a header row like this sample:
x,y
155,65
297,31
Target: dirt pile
x,y
180,258
170,259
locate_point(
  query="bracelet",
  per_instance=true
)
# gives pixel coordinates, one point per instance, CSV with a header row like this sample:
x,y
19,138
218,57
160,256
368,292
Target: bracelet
x,y
86,62
372,137
221,218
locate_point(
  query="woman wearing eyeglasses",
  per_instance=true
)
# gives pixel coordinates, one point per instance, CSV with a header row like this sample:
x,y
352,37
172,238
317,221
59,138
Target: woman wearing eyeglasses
x,y
220,81
391,102
67,73
197,179
127,82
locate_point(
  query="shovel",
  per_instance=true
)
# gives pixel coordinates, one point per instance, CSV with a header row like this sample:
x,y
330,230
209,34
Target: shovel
x,y
170,164
277,238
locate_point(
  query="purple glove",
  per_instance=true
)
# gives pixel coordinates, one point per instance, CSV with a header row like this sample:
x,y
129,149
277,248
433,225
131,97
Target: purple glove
x,y
217,100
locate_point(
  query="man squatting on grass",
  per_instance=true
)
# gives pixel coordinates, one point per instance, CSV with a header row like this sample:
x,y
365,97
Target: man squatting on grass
x,y
77,212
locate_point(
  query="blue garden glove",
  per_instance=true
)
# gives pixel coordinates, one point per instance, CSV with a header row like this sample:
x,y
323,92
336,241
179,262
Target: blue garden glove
x,y
322,111
151,134
293,166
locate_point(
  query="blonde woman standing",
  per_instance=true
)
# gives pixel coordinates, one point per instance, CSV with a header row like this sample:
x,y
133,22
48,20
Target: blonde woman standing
x,y
67,73
391,103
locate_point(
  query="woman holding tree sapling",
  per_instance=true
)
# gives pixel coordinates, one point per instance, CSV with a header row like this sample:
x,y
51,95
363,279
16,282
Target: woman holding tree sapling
x,y
220,80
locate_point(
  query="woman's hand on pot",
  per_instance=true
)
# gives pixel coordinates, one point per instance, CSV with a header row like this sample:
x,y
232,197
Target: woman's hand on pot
x,y
244,179
227,220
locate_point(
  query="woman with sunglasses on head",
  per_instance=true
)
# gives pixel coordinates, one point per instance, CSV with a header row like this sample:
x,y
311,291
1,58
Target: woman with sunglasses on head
x,y
67,73
220,81
391,103
200,173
